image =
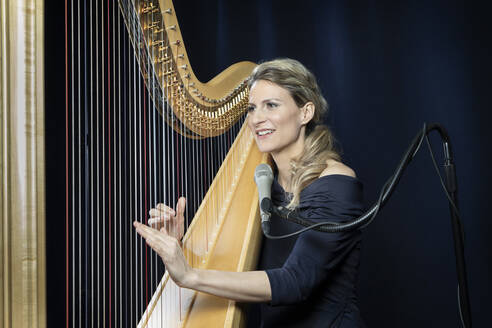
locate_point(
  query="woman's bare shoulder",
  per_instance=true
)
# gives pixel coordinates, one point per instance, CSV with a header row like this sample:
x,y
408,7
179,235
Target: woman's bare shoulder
x,y
335,167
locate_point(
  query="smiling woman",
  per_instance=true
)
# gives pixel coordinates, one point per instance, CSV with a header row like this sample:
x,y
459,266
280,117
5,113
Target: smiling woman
x,y
306,281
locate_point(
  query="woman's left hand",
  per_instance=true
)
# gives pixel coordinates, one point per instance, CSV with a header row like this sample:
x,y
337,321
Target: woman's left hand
x,y
169,250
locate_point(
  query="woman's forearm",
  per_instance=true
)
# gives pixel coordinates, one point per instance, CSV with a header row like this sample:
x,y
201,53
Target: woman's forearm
x,y
251,286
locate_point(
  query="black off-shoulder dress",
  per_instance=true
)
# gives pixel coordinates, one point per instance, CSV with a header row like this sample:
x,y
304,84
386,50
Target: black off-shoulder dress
x,y
314,276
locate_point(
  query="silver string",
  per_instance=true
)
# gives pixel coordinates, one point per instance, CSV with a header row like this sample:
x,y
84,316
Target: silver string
x,y
80,182
131,189
73,162
153,154
138,176
100,140
97,160
119,182
92,166
166,152
103,105
173,174
128,210
114,172
151,159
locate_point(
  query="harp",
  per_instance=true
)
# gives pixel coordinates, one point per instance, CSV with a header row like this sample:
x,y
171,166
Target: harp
x,y
130,92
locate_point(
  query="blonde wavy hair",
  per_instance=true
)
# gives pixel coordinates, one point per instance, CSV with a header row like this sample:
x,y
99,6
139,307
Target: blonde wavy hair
x,y
319,145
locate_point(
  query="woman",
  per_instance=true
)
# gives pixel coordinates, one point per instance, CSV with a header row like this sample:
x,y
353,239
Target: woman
x,y
308,281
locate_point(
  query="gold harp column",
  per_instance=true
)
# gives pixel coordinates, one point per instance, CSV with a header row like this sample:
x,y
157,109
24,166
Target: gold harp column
x,y
22,173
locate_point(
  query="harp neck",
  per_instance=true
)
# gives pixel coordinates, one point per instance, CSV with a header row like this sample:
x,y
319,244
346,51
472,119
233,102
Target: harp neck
x,y
206,109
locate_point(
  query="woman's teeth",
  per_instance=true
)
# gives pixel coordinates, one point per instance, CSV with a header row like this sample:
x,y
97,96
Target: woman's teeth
x,y
262,133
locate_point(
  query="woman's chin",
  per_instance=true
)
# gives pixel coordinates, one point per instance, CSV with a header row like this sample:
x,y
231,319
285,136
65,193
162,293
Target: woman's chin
x,y
263,148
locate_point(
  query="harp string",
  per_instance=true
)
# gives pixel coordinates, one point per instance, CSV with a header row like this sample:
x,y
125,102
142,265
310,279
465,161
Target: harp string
x,y
86,182
129,91
109,166
101,169
94,173
117,192
70,306
153,176
90,157
160,180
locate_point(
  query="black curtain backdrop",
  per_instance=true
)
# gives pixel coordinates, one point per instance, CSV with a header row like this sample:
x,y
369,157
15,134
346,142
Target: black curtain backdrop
x,y
386,67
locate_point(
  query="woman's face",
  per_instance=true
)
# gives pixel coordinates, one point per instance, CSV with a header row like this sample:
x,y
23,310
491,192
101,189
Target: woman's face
x,y
275,119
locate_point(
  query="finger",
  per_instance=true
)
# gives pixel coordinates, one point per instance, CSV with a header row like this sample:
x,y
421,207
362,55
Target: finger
x,y
155,212
165,209
143,230
180,208
156,239
159,212
157,220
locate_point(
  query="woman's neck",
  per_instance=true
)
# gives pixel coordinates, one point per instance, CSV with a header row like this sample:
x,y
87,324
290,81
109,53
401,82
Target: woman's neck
x,y
284,157
282,161
284,175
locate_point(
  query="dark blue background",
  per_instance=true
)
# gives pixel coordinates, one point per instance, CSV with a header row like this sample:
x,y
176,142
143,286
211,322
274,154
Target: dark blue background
x,y
385,67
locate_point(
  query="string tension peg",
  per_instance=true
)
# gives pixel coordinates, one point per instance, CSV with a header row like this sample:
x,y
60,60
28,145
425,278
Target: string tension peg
x,y
156,43
152,25
149,8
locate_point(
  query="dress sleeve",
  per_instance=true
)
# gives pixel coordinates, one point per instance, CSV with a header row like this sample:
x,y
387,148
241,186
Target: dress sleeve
x,y
315,254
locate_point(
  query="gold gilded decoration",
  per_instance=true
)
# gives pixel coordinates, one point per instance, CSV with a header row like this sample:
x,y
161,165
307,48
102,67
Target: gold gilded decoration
x,y
205,109
22,203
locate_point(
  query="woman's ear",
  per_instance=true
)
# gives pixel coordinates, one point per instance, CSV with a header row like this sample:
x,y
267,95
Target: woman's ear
x,y
307,112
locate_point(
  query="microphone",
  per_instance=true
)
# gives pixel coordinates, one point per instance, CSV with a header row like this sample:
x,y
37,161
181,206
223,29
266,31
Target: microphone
x,y
263,180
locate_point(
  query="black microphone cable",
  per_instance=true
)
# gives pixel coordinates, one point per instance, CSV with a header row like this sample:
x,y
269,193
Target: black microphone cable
x,y
384,195
367,217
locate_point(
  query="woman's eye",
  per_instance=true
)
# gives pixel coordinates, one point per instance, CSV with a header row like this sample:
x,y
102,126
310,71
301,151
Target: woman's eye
x,y
271,105
250,109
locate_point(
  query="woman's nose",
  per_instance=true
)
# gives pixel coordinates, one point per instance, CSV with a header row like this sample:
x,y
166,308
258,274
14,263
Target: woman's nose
x,y
257,116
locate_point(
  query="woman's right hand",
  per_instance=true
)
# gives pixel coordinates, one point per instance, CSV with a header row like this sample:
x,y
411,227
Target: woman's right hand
x,y
163,216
